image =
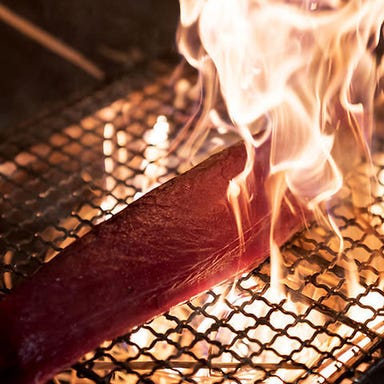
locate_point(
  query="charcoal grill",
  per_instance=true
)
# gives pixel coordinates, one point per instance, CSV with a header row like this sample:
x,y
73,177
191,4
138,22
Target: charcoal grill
x,y
75,168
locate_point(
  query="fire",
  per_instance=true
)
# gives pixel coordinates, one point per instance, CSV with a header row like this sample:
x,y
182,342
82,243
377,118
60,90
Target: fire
x,y
115,153
302,75
298,73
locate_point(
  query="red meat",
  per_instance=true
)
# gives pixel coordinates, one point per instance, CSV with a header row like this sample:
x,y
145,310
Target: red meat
x,y
175,242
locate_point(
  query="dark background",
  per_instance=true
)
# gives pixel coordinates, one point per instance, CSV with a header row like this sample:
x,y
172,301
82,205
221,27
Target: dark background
x,y
117,35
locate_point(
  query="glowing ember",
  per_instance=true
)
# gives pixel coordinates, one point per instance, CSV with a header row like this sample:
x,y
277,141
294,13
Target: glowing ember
x,y
116,151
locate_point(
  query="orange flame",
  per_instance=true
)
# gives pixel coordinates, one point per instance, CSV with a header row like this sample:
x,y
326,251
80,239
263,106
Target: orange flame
x,y
294,62
305,68
300,73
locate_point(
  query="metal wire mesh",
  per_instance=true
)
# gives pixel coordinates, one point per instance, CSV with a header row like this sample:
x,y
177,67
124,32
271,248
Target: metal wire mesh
x,y
61,176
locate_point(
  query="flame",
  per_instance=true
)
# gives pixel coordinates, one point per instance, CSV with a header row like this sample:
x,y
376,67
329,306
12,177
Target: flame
x,y
301,74
305,65
305,85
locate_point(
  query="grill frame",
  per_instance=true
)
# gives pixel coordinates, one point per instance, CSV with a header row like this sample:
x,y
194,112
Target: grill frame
x,y
26,242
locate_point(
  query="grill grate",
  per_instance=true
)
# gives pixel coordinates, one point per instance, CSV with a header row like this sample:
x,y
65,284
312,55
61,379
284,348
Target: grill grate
x,y
63,175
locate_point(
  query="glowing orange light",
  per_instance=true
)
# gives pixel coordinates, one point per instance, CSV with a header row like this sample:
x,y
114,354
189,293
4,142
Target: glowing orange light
x,y
302,75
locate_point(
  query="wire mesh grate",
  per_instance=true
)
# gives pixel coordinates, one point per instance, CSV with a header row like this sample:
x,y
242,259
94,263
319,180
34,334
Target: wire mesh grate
x,y
72,170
